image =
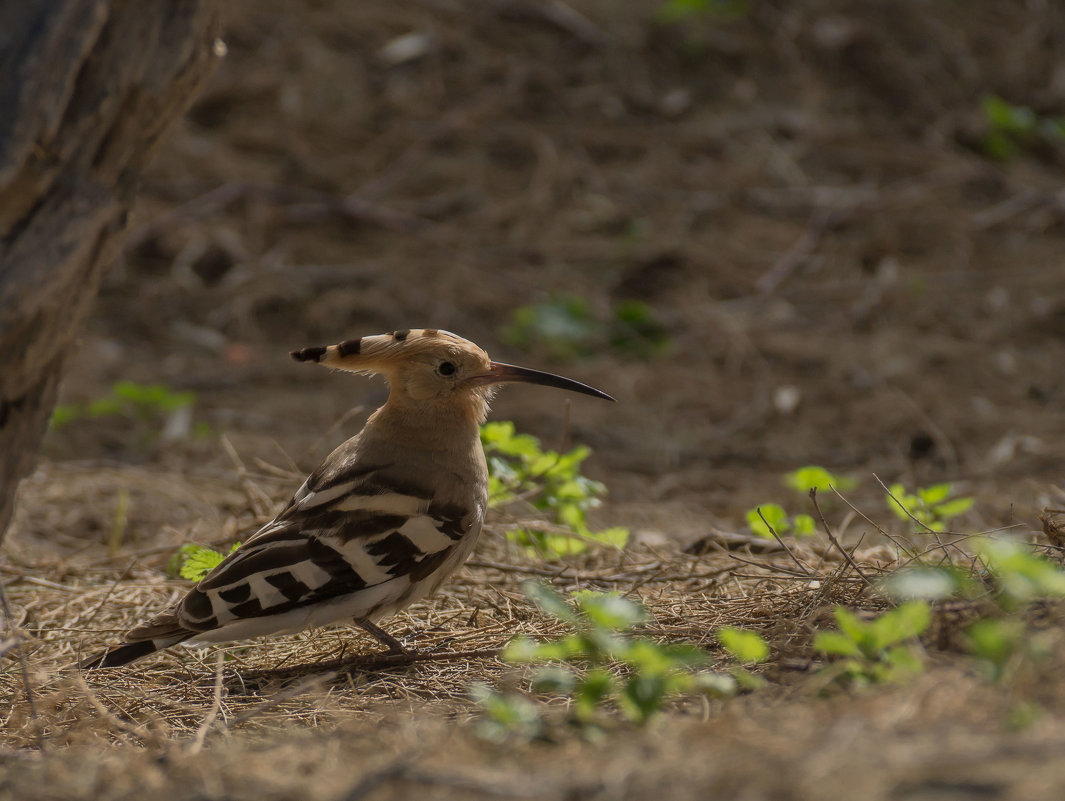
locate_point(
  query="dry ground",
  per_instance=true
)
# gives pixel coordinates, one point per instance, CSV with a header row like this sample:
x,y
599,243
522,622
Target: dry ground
x,y
844,280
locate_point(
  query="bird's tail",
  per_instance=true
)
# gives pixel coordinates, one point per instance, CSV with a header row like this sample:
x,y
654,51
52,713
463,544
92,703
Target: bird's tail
x,y
162,632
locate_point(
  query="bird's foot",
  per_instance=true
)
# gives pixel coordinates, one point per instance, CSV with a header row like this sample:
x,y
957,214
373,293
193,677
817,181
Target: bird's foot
x,y
394,647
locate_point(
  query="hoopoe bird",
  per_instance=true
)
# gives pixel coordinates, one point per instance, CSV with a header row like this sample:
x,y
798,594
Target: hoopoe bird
x,y
386,518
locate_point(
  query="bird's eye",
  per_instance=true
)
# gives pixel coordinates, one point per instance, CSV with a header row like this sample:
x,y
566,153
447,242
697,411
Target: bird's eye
x,y
446,368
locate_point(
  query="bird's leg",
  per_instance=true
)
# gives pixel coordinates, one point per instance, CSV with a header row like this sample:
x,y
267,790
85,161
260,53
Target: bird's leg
x,y
382,636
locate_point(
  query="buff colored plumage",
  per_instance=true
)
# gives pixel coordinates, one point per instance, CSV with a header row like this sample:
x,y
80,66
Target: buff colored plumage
x,y
386,518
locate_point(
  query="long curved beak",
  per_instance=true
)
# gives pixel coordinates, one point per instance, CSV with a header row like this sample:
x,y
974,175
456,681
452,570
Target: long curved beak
x,y
498,373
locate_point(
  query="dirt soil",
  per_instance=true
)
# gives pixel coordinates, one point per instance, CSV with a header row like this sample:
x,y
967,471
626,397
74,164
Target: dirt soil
x,y
834,272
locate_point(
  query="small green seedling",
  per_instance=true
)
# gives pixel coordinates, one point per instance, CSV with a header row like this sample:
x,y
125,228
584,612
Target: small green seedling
x,y
1015,576
1004,646
565,328
600,661
193,562
877,651
562,327
805,479
636,331
775,516
716,10
520,470
127,399
930,506
506,715
1020,575
1015,130
931,583
146,406
746,648
815,477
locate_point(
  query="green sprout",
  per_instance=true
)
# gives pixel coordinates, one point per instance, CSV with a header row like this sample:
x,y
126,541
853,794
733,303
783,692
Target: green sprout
x,y
565,328
927,583
877,651
931,506
599,662
1013,130
1003,647
146,406
720,10
815,477
551,482
1020,575
746,648
193,562
775,517
562,327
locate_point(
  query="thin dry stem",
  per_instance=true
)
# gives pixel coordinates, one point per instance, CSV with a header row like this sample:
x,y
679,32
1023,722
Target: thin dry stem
x,y
832,537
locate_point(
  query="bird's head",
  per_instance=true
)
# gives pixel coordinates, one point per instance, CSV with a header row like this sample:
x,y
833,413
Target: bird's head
x,y
427,365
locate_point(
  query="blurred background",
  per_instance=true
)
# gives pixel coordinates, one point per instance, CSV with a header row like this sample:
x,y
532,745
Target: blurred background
x,y
779,233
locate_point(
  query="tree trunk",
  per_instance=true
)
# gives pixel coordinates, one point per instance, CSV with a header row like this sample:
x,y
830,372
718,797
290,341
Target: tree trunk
x,y
87,87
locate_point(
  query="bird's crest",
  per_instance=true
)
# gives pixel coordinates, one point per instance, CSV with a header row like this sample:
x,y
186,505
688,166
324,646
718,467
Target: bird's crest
x,y
371,354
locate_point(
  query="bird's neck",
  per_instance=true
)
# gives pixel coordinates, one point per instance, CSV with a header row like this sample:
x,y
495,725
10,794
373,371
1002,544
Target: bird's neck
x,y
433,426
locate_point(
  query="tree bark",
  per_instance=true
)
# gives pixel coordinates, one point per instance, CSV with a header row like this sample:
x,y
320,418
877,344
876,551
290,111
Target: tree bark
x,y
87,87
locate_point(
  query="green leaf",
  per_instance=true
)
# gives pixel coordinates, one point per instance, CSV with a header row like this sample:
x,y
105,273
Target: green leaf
x,y
616,536
683,11
611,610
573,516
505,714
556,546
1005,117
899,624
958,506
64,414
649,658
836,644
685,656
549,601
744,646
195,561
549,482
597,686
521,649
637,331
1022,715
928,583
1021,575
555,680
561,326
774,515
907,501
995,640
642,697
603,644
803,526
815,477
904,663
104,407
937,493
747,680
850,624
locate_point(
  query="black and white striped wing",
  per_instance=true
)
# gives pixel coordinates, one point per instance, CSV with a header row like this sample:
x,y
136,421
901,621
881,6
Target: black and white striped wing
x,y
348,548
